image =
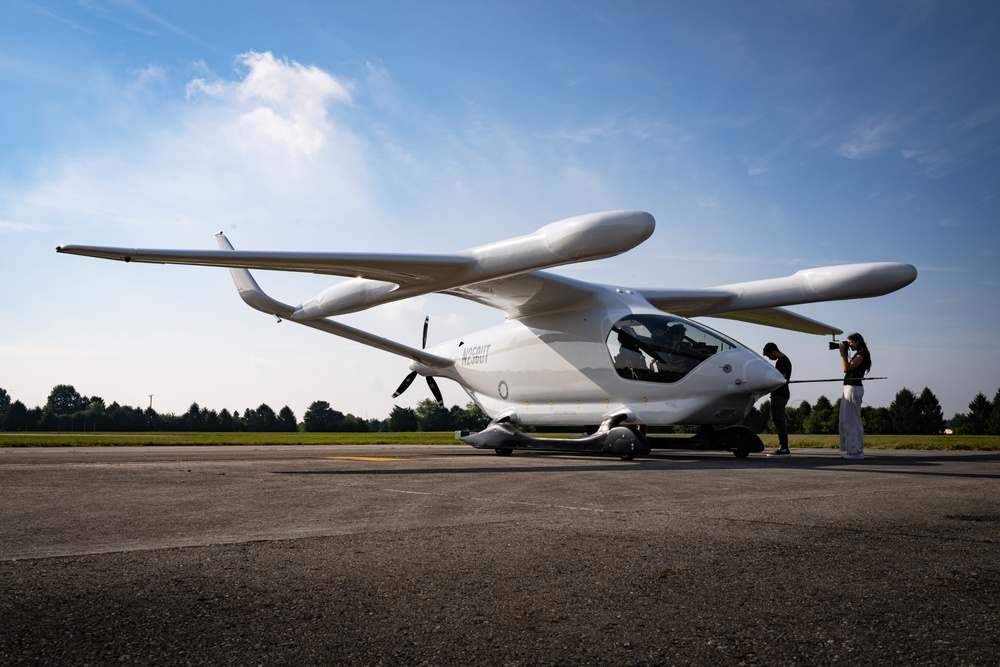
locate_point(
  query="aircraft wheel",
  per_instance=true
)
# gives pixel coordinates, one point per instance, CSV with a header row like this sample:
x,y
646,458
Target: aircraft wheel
x,y
503,451
628,457
741,453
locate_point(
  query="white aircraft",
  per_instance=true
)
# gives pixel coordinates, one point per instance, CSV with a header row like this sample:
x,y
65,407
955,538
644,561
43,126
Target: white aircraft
x,y
608,358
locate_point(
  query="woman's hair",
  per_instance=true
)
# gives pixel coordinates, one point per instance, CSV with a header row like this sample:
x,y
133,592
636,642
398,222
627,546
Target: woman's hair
x,y
862,349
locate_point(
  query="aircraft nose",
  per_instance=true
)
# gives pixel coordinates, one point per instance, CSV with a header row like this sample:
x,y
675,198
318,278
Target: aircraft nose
x,y
762,376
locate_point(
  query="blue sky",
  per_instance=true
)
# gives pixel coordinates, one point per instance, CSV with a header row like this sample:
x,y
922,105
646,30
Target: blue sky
x,y
764,137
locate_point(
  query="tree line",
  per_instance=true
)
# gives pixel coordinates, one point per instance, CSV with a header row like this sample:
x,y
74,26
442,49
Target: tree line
x,y
68,410
908,414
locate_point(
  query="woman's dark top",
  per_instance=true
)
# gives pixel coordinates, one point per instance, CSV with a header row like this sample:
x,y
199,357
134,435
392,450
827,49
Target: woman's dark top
x,y
853,378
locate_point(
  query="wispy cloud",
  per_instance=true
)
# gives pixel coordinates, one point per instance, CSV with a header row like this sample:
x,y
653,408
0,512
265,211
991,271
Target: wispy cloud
x,y
868,138
14,227
135,16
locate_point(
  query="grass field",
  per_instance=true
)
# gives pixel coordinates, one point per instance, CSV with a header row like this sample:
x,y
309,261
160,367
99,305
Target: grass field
x,y
938,442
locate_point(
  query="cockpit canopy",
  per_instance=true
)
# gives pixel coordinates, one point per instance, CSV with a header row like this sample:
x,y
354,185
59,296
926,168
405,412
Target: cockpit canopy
x,y
661,348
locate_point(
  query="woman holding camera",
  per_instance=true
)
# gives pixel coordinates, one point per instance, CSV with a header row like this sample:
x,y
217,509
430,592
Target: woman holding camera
x,y
852,433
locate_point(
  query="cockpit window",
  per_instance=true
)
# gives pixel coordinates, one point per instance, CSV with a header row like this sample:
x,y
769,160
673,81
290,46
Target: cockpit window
x,y
661,348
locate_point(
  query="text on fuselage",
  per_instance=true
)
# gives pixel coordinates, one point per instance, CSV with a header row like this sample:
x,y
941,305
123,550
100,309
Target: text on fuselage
x,y
476,354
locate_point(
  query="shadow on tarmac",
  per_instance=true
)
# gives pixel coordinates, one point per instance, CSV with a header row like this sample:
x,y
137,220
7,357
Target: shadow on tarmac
x,y
911,464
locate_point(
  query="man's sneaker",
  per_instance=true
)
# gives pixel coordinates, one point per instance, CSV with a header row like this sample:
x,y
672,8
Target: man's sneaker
x,y
852,457
780,452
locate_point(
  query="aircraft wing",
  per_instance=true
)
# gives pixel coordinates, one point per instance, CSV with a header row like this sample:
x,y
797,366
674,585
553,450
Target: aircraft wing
x,y
509,275
782,319
761,301
394,268
380,278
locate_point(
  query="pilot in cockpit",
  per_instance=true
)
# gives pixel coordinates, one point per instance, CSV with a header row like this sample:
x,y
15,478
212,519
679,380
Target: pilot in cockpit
x,y
675,354
629,362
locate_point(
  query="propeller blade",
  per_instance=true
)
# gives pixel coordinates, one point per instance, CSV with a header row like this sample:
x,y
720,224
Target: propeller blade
x,y
434,390
407,381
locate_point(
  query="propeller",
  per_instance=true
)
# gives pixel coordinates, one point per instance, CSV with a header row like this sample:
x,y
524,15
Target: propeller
x,y
408,380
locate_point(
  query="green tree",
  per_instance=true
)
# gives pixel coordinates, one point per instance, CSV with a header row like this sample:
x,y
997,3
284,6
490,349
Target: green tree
x,y
931,417
470,418
876,421
64,400
33,419
432,417
993,420
262,420
905,413
979,414
226,421
210,419
353,424
287,420
192,420
320,417
402,420
17,417
797,417
379,425
823,418
4,407
150,418
94,415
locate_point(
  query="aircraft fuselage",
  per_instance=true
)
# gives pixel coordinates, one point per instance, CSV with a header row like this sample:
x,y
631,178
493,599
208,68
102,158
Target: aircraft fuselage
x,y
561,369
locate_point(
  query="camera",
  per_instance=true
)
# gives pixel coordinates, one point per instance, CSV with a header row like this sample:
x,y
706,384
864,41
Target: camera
x,y
835,345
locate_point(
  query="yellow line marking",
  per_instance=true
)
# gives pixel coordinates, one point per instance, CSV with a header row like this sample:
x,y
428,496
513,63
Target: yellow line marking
x,y
366,458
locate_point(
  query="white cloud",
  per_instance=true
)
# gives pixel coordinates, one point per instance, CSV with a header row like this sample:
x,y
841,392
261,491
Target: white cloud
x,y
279,104
259,151
868,139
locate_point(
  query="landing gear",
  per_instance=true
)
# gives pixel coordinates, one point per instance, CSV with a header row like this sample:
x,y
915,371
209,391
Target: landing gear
x,y
741,441
625,442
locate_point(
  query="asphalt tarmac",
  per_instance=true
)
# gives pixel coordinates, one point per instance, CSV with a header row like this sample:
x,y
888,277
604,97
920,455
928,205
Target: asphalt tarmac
x,y
445,555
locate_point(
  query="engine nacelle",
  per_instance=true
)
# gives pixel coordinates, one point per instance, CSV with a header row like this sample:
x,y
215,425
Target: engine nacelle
x,y
346,297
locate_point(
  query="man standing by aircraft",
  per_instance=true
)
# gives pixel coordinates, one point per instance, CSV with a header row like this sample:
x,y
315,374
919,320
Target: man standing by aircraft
x,y
779,397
